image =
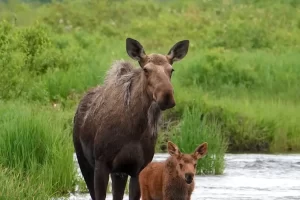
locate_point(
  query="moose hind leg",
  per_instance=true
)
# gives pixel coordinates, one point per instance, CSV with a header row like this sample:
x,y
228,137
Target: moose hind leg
x,y
134,189
86,170
118,185
101,179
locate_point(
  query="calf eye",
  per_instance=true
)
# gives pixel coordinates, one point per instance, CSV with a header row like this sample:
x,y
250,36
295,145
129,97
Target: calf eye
x,y
181,166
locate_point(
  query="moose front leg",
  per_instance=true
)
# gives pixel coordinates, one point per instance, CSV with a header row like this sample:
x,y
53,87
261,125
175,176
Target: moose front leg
x,y
118,185
101,176
134,189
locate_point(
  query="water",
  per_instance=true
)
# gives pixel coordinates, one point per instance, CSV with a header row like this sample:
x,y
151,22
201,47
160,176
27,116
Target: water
x,y
246,177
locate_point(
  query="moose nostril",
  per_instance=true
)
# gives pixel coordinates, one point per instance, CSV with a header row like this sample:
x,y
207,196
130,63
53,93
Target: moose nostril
x,y
189,178
167,97
188,175
166,100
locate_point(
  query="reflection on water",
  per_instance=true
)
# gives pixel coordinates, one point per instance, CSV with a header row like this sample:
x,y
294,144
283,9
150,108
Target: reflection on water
x,y
246,176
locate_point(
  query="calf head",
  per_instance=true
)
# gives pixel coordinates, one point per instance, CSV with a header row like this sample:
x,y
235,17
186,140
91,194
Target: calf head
x,y
158,70
186,163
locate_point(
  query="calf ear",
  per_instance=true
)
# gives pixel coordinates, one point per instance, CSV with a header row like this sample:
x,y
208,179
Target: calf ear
x,y
200,151
173,149
135,50
178,51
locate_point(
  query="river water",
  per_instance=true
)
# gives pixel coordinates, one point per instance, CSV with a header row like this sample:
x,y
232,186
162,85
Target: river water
x,y
246,177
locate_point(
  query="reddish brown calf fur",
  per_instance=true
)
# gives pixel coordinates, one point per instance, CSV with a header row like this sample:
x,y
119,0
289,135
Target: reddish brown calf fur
x,y
172,179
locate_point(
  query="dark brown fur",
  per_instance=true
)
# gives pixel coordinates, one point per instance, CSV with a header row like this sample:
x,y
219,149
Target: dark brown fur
x,y
172,179
115,125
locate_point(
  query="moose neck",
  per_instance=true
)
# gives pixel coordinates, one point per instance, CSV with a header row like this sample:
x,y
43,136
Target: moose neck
x,y
125,95
144,103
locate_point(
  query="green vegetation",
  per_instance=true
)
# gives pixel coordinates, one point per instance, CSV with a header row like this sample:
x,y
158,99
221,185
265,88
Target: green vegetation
x,y
193,131
35,143
238,83
15,186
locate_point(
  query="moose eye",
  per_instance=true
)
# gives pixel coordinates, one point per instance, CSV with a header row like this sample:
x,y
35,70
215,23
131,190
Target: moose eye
x,y
145,70
181,166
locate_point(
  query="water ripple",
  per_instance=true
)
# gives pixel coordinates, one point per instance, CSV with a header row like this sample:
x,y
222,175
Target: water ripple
x,y
246,177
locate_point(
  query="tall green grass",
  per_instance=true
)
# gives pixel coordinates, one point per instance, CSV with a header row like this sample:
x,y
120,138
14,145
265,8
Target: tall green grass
x,y
193,130
36,146
15,186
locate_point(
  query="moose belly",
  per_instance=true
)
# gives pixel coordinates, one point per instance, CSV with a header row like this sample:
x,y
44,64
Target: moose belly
x,y
129,159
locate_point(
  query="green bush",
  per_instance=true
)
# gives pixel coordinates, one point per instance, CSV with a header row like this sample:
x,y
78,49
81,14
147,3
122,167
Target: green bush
x,y
217,68
32,42
10,63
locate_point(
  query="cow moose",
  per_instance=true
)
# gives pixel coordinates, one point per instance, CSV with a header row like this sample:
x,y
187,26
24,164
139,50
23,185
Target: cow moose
x,y
172,179
116,123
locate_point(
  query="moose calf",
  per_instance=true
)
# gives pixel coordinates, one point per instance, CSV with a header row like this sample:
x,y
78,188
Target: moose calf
x,y
172,179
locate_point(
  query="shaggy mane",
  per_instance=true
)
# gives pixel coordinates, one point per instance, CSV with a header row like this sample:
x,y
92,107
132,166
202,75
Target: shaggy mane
x,y
121,74
120,77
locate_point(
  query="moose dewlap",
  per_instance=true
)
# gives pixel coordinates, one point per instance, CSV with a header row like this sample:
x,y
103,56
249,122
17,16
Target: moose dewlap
x,y
173,178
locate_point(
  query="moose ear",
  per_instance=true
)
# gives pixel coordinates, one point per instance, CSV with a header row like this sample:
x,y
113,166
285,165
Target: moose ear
x,y
134,49
201,150
178,51
173,149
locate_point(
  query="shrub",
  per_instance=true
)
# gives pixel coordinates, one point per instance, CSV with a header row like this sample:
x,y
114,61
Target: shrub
x,y
10,62
217,68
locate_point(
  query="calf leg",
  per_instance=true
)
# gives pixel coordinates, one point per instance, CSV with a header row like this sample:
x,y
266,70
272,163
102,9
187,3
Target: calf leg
x,y
118,185
145,195
101,177
134,189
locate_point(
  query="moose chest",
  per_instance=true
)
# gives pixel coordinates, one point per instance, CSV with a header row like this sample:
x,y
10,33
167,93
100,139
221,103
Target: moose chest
x,y
126,148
